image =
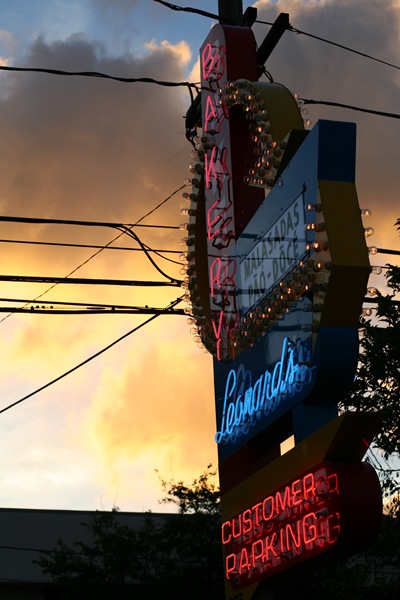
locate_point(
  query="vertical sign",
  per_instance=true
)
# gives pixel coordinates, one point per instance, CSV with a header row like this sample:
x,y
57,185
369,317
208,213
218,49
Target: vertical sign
x,y
219,133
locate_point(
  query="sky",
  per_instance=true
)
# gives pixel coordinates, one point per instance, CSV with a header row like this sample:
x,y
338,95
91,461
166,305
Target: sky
x,y
100,150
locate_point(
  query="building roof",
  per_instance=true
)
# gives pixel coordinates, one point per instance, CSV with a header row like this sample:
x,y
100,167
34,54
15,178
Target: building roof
x,y
24,533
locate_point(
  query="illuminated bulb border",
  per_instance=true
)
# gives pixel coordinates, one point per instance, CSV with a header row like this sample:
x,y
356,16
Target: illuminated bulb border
x,y
268,152
301,280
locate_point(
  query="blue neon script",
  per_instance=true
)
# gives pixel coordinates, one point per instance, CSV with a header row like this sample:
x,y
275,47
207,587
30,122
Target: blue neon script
x,y
245,403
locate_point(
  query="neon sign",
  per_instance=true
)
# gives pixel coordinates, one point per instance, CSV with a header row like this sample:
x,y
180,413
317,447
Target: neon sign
x,y
245,403
229,202
219,201
297,521
301,506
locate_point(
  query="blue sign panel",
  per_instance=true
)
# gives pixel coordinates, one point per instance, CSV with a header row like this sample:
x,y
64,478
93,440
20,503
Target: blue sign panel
x,y
301,357
263,382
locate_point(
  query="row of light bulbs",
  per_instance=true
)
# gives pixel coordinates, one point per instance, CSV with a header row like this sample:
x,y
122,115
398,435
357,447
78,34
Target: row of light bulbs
x,y
268,153
311,276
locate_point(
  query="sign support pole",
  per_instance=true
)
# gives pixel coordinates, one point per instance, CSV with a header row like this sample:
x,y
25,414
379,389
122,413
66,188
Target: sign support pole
x,y
230,10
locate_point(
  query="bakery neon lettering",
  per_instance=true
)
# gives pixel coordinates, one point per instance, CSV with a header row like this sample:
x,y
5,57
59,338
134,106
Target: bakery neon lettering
x,y
243,409
215,113
215,167
222,282
213,62
218,224
222,273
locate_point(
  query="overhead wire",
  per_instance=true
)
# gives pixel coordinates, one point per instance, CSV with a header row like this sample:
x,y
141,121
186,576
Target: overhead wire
x,y
351,107
125,228
203,13
196,11
45,304
347,48
80,223
89,359
87,281
72,245
99,75
190,87
85,262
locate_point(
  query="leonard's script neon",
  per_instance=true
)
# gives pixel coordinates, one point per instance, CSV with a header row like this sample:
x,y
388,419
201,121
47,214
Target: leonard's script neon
x,y
246,402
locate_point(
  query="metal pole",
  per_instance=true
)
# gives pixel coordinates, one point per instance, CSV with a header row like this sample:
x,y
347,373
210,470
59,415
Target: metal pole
x,y
274,35
230,11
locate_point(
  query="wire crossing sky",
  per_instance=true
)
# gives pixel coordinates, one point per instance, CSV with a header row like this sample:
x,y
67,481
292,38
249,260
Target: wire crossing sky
x,y
113,150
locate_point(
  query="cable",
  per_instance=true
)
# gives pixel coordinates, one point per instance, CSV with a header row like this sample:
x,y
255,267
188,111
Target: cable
x,y
290,28
100,75
321,39
386,251
101,249
348,106
125,228
195,11
316,37
86,281
161,203
34,220
145,248
159,252
43,387
90,306
70,245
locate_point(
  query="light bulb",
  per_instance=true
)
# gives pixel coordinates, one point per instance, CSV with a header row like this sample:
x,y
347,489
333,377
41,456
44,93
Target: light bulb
x,y
190,197
195,182
372,291
365,212
187,241
372,250
367,312
316,207
376,270
368,231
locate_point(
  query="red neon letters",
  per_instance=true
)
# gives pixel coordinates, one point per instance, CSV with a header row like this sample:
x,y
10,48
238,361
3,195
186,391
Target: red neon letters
x,y
219,201
212,62
297,521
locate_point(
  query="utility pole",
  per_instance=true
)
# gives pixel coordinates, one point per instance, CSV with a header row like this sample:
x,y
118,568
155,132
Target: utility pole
x,y
274,35
230,11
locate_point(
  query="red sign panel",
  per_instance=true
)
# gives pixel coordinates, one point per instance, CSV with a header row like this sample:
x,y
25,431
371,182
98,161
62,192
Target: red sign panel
x,y
307,517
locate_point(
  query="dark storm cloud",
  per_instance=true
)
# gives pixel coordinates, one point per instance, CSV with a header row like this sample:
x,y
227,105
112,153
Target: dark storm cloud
x,y
76,145
319,71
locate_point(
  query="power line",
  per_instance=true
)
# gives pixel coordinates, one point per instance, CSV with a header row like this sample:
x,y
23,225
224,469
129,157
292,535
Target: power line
x,y
160,204
387,251
126,227
350,107
85,262
76,367
316,37
86,281
71,245
42,221
196,11
290,28
89,307
100,75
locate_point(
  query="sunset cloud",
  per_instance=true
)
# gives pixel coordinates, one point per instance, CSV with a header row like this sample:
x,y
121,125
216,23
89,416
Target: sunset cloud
x,y
101,150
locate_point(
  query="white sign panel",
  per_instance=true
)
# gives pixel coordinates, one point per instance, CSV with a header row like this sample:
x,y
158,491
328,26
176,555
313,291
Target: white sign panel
x,y
273,256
